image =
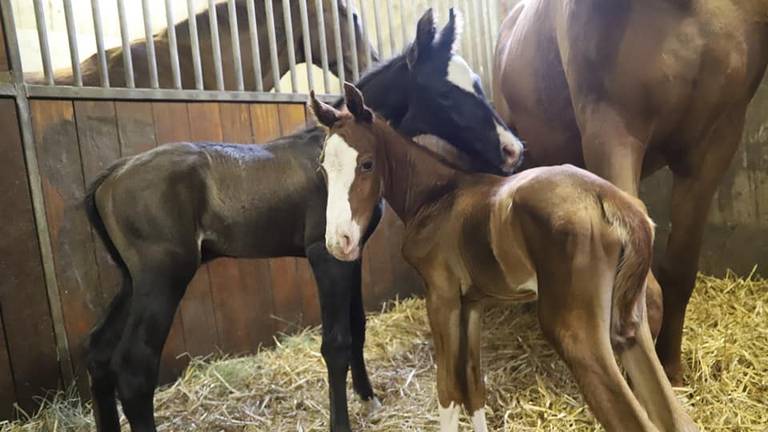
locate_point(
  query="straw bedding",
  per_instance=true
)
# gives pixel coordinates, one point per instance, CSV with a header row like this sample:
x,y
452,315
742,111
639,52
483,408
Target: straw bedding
x,y
284,389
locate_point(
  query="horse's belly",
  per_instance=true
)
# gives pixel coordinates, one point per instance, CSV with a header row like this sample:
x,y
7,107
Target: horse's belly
x,y
526,291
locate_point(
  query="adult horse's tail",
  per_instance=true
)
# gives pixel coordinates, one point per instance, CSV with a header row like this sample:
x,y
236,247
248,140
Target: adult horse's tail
x,y
635,231
105,336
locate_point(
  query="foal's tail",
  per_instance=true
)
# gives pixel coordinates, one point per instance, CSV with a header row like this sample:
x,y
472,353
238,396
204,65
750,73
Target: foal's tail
x,y
635,231
92,211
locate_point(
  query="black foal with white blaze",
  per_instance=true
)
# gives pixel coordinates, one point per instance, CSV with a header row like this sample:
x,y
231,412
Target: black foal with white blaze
x,y
164,212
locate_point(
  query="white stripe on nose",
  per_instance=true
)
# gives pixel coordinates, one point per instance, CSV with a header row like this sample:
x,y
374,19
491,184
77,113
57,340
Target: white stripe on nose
x,y
342,233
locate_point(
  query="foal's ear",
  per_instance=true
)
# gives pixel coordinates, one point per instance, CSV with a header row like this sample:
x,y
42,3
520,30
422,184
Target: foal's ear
x,y
425,35
324,113
356,104
450,34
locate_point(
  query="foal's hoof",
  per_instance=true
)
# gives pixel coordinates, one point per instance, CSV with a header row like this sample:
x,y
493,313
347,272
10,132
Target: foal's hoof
x,y
372,405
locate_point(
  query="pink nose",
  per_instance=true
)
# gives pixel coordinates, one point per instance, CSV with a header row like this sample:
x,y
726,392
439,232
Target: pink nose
x,y
511,155
346,244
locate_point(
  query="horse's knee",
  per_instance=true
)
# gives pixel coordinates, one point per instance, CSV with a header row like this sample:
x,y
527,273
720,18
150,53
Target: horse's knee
x,y
336,347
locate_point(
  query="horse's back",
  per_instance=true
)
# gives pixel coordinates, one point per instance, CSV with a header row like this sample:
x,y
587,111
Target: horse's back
x,y
670,65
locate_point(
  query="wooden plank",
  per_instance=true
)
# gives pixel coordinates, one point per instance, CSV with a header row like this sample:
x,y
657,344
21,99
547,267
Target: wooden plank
x,y
265,122
300,288
7,386
171,123
242,290
63,188
200,328
99,148
135,126
28,328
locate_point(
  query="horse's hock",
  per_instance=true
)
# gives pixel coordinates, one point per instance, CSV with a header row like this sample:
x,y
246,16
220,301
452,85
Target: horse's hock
x,y
56,276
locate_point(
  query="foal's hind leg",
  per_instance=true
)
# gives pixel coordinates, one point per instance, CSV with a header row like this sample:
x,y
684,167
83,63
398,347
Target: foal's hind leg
x,y
103,340
652,386
575,292
156,295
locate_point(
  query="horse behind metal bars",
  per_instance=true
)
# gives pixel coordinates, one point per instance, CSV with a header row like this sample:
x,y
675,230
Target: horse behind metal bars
x,y
115,56
560,234
164,212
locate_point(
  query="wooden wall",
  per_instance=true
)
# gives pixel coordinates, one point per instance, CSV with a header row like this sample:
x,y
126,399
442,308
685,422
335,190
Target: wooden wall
x,y
232,306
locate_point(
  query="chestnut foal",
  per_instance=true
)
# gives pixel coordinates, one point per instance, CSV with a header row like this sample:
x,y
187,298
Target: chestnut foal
x,y
560,234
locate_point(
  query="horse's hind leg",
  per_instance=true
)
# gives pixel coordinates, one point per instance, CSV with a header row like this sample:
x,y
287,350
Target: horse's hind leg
x,y
575,294
652,386
157,291
103,340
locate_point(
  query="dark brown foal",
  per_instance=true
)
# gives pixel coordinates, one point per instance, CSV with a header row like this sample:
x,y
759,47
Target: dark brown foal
x,y
560,234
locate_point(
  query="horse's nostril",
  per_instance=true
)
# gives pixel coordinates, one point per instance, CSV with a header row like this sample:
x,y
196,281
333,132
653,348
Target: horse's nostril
x,y
509,152
346,243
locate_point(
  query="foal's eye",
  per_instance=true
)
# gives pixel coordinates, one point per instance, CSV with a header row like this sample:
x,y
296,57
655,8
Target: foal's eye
x,y
366,166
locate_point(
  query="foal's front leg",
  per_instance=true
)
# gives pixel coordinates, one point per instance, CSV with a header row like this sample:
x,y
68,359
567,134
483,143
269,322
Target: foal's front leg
x,y
471,325
445,320
333,286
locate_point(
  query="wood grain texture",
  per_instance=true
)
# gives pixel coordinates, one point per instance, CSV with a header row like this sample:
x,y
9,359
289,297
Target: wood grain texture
x,y
28,359
99,148
71,242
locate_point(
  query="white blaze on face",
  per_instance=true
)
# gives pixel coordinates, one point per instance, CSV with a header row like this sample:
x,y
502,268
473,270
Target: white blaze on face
x,y
478,421
460,74
449,417
340,163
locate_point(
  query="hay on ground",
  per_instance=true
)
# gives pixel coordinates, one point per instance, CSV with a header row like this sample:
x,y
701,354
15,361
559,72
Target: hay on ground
x,y
529,388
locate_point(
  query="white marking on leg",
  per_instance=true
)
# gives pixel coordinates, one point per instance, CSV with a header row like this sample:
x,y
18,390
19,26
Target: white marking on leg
x,y
372,405
460,74
478,421
449,417
339,163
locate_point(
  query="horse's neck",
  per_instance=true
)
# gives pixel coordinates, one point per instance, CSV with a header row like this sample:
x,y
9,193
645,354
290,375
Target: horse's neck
x,y
412,176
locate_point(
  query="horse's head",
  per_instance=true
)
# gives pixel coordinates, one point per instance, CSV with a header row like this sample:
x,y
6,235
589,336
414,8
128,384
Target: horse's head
x,y
352,173
447,101
344,7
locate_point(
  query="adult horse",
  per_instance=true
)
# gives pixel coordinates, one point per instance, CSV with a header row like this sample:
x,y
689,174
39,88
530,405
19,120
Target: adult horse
x,y
163,212
116,57
626,87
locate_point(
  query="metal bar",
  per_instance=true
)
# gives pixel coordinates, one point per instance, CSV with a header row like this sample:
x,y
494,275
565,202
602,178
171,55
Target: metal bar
x,y
126,43
376,22
42,35
68,92
337,41
195,45
489,46
7,89
468,34
253,33
36,192
352,39
173,47
148,37
100,50
215,44
234,32
272,45
404,24
477,38
74,54
323,46
366,38
307,43
288,20
391,29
